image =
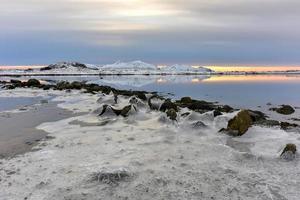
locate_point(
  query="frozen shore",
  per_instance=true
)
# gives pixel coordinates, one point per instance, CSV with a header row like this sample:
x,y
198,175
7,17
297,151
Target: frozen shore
x,y
146,155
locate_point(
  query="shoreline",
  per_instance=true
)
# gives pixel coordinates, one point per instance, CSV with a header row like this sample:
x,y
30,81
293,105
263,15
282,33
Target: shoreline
x,y
18,132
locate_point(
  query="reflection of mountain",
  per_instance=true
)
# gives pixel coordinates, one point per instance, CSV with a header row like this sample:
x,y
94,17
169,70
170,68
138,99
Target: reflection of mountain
x,y
141,80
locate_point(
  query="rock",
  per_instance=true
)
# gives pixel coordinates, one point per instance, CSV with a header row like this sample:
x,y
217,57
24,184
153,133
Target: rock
x,y
217,113
256,115
106,110
186,100
44,101
286,125
111,177
155,102
239,125
47,87
127,110
63,85
168,104
284,110
185,114
289,152
14,81
172,114
137,102
268,122
225,109
76,85
33,83
200,106
198,124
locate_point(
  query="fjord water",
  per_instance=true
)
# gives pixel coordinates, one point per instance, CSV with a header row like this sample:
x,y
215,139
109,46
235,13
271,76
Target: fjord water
x,y
247,91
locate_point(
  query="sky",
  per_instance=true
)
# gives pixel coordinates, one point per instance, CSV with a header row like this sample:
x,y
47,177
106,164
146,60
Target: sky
x,y
201,32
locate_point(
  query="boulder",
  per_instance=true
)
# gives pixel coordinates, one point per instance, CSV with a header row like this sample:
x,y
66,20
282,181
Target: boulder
x,y
289,152
284,110
33,83
239,125
172,114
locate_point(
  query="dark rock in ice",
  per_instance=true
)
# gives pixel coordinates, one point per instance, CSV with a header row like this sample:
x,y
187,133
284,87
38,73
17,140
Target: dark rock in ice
x,y
168,104
289,152
136,101
256,116
225,109
155,102
106,110
287,125
186,100
185,114
217,113
239,125
268,122
198,124
127,110
172,114
111,177
284,110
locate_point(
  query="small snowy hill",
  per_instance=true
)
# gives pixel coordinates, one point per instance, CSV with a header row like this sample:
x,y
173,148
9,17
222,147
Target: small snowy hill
x,y
186,69
69,68
138,67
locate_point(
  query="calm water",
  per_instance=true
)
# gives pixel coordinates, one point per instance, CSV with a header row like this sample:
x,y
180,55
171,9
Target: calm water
x,y
238,91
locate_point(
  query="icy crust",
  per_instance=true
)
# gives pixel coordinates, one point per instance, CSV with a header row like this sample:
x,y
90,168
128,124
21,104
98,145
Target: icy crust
x,y
148,156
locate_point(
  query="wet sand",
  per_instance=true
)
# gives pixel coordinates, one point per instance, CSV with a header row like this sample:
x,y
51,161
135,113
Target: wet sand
x,y
17,130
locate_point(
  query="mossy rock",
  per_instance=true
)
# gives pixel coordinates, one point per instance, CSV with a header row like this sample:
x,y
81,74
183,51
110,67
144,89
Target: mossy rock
x,y
284,110
33,83
172,114
240,123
